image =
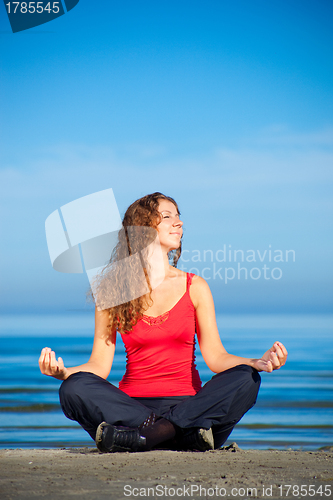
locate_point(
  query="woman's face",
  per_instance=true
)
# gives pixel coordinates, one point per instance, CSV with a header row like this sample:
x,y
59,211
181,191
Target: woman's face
x,y
170,228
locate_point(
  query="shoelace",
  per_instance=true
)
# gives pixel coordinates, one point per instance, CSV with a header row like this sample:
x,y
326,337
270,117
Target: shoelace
x,y
125,437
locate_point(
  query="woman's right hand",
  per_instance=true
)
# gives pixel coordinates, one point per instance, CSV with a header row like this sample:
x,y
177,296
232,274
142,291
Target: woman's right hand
x,y
50,366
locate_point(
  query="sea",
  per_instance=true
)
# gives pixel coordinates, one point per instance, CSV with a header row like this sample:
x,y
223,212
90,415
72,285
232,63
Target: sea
x,y
294,409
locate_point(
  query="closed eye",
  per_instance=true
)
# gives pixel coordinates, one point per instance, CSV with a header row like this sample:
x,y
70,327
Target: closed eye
x,y
165,216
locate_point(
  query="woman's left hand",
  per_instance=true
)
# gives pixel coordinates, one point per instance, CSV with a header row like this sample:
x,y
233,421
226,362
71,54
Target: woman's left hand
x,y
273,359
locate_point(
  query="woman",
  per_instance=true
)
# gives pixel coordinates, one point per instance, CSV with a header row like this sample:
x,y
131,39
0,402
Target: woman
x,y
160,401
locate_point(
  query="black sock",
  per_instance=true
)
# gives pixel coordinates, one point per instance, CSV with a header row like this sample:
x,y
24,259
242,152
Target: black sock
x,y
157,432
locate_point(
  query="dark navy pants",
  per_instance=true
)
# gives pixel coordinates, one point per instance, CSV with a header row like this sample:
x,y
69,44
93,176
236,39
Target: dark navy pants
x,y
220,403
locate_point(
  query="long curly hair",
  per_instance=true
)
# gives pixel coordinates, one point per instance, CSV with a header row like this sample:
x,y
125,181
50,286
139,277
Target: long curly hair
x,y
130,278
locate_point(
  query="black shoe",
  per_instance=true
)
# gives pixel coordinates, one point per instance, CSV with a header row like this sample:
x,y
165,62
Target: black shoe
x,y
198,440
111,438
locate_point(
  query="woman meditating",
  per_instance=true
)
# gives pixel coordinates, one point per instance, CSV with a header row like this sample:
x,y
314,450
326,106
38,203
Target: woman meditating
x,y
159,312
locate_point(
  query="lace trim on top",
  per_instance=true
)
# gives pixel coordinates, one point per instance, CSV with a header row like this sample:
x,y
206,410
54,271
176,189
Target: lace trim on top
x,y
157,320
151,320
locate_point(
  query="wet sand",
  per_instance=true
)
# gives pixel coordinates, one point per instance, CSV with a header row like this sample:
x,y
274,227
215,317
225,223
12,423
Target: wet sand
x,y
85,473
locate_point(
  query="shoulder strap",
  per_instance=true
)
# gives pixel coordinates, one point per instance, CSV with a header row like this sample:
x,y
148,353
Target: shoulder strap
x,y
189,279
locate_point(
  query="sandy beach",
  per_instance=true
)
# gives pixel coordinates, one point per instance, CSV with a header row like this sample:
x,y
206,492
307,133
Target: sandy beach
x,y
229,472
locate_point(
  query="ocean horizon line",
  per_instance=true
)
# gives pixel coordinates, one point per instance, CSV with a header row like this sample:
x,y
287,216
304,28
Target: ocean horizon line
x,y
82,324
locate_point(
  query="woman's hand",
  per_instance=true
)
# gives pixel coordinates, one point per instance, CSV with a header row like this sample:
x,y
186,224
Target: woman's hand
x,y
273,359
50,366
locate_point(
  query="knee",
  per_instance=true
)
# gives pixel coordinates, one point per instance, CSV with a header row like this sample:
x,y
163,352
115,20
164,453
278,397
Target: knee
x,y
249,381
249,375
241,378
72,394
72,387
245,379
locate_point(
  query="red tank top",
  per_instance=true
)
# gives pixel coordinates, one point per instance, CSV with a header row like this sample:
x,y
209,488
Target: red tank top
x,y
160,353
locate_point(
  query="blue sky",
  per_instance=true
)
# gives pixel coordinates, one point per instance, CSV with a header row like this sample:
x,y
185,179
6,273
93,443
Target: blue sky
x,y
225,106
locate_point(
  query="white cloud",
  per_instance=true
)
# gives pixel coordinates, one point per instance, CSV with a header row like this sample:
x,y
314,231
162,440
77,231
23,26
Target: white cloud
x,y
281,135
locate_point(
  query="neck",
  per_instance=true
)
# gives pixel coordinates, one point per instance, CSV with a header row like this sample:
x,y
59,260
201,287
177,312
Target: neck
x,y
160,269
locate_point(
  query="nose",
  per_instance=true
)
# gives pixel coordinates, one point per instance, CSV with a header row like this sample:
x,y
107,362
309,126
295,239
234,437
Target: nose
x,y
178,223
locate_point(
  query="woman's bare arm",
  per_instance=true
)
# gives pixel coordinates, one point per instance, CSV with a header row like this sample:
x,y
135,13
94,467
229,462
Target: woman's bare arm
x,y
101,358
212,349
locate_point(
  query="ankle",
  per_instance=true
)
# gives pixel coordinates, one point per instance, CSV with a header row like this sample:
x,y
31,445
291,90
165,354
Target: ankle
x,y
157,431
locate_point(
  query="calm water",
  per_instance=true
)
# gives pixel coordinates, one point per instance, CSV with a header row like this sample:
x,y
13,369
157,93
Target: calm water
x,y
294,407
